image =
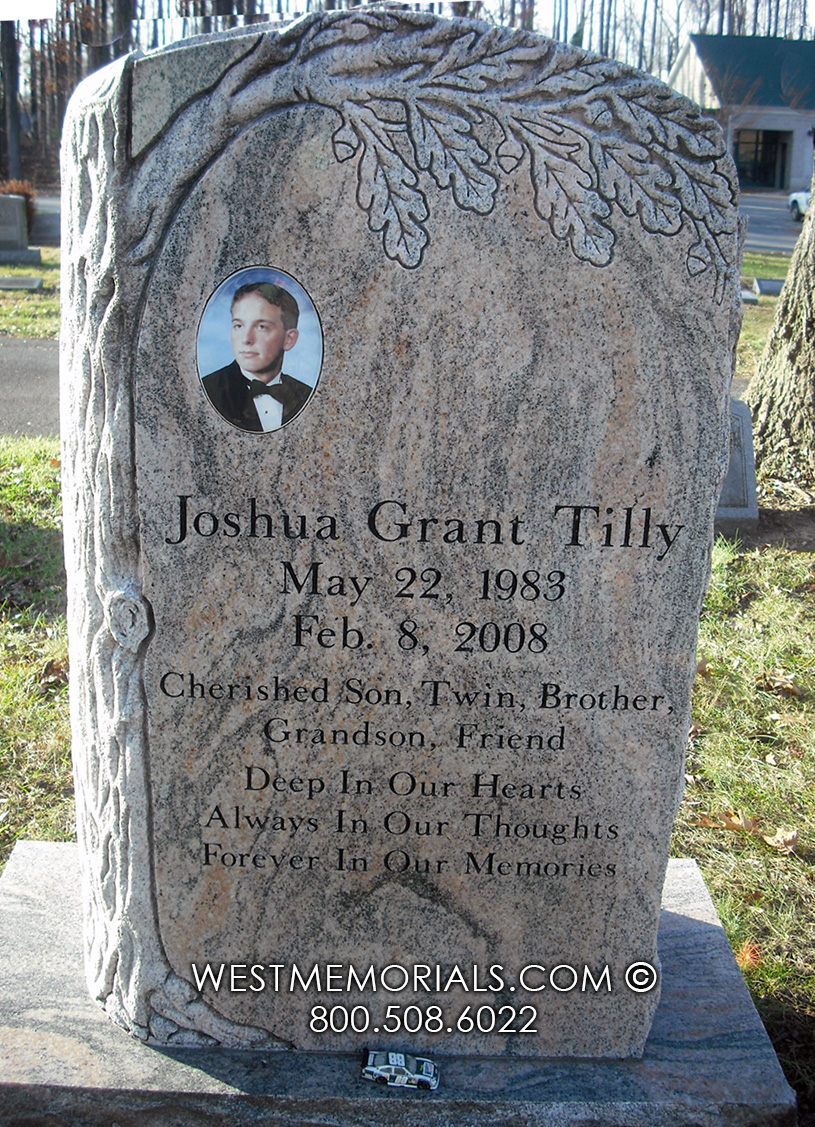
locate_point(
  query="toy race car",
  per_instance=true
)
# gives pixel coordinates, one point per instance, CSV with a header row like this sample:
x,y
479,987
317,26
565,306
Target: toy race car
x,y
400,1070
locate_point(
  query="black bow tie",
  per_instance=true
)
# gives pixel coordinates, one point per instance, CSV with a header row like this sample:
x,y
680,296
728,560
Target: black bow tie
x,y
257,387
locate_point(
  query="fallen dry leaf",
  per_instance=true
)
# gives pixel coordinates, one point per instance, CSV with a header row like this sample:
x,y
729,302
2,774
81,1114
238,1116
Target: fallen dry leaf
x,y
702,667
784,839
707,822
741,822
54,674
728,821
781,683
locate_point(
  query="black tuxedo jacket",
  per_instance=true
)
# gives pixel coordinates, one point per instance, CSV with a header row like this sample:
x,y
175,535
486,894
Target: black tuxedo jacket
x,y
228,392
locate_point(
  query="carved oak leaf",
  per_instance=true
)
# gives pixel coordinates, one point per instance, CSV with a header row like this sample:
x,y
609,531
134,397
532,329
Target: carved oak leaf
x,y
639,184
569,75
652,123
705,195
387,190
707,253
565,195
479,60
315,36
446,148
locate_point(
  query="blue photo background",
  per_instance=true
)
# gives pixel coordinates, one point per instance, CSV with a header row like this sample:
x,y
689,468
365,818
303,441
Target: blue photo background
x,y
303,362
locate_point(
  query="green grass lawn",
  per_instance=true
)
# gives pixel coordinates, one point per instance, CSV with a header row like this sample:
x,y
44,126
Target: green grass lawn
x,y
765,264
758,319
36,791
34,314
748,813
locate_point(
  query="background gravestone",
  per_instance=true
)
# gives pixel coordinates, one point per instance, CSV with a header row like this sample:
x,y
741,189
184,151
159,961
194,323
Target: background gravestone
x,y
14,231
13,224
738,500
404,683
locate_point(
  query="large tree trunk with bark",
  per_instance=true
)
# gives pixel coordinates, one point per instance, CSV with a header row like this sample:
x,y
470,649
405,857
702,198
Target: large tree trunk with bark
x,y
782,393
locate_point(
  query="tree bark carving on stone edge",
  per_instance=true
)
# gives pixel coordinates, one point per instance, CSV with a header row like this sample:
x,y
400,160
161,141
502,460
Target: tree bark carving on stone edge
x,y
109,619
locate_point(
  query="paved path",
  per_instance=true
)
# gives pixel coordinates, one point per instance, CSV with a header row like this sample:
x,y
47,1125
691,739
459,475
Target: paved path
x,y
770,227
29,386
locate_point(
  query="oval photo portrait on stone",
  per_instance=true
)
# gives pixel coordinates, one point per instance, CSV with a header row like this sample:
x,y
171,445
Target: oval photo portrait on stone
x,y
260,349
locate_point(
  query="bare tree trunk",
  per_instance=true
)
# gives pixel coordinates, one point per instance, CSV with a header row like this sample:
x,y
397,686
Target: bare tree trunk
x,y
11,84
123,21
44,101
653,37
32,81
782,393
641,48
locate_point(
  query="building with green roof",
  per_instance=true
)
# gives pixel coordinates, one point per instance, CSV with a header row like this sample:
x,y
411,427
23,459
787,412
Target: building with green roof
x,y
762,90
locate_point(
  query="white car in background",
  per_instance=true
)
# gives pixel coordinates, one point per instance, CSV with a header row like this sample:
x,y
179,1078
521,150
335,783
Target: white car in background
x,y
798,204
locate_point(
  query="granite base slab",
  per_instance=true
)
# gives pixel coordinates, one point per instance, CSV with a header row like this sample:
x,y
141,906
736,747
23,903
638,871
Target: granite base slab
x,y
22,257
708,1059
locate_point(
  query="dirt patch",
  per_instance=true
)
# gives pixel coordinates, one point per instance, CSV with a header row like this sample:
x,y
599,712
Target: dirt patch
x,y
782,528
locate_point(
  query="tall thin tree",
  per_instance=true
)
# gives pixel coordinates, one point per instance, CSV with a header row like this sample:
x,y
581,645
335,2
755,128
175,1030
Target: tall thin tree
x,y
11,97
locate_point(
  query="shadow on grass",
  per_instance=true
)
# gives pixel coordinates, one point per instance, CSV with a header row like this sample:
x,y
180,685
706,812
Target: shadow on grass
x,y
790,1024
782,528
32,571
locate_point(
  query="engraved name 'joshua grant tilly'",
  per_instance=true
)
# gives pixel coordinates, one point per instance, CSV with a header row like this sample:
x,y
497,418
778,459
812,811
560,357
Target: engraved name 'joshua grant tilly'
x,y
606,526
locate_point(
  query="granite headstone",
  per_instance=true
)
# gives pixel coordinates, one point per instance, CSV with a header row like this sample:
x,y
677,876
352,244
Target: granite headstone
x,y
381,669
13,223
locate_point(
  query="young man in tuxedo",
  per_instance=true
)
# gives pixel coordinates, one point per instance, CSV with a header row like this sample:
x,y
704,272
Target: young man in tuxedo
x,y
253,392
